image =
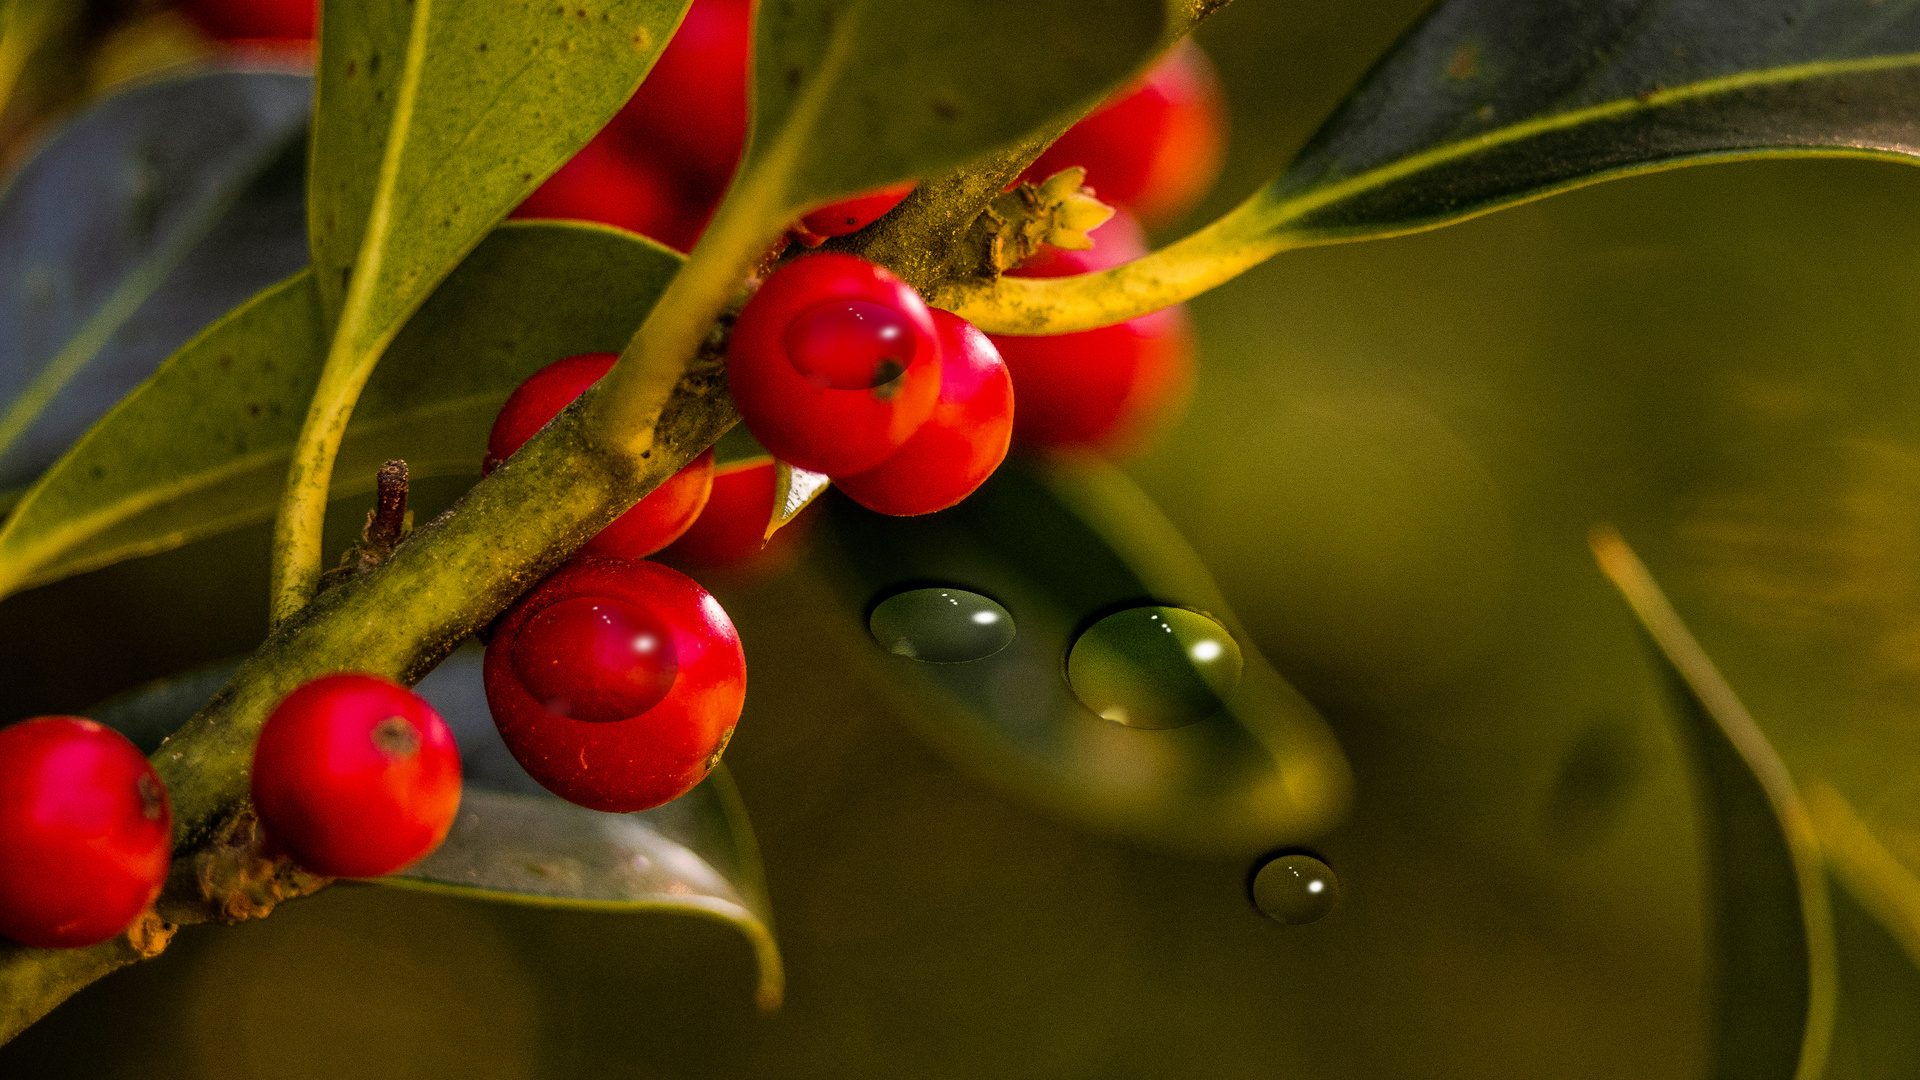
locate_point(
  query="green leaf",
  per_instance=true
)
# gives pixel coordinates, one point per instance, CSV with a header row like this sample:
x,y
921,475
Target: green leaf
x,y
434,119
147,217
150,712
851,95
1772,959
1489,103
203,445
516,843
431,123
1056,549
1876,920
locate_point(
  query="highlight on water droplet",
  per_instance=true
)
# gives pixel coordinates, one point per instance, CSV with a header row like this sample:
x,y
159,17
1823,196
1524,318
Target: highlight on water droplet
x,y
1154,667
941,625
1294,889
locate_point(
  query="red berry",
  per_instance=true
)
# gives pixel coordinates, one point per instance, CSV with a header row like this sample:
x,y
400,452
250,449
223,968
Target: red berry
x,y
355,776
575,641
690,113
728,537
1098,389
960,444
852,215
599,184
1156,146
241,20
653,522
834,363
596,659
85,832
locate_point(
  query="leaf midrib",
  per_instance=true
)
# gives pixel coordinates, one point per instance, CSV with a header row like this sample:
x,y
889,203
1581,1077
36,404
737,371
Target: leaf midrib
x,y
1284,211
45,553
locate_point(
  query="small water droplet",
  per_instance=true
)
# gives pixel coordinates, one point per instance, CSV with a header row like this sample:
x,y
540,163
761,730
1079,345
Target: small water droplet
x,y
1154,667
941,626
1295,889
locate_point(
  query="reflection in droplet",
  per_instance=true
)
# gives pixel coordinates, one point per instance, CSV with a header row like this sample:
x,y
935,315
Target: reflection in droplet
x,y
941,626
1295,889
1154,667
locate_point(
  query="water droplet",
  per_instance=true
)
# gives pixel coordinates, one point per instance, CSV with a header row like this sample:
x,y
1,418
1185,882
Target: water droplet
x,y
1154,667
1295,889
941,626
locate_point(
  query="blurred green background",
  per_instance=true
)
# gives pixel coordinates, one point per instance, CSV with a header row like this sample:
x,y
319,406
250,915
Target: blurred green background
x,y
1391,460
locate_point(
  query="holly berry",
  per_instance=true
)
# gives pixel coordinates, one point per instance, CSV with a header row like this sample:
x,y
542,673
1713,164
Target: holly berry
x,y
253,20
600,184
616,683
852,215
85,832
691,111
355,776
1156,146
653,522
729,536
834,364
1098,389
960,444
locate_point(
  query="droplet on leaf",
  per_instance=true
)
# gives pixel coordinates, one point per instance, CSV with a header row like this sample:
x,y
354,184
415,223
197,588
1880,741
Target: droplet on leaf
x,y
1154,667
1295,889
941,626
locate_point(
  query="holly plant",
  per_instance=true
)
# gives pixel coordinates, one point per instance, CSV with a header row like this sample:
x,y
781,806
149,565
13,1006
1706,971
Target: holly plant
x,y
650,285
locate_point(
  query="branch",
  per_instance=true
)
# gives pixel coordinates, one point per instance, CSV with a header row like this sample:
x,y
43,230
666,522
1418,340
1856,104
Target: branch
x,y
448,579
662,404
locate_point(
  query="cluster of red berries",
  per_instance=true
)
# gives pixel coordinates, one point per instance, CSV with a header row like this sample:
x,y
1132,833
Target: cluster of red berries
x,y
616,682
838,366
353,776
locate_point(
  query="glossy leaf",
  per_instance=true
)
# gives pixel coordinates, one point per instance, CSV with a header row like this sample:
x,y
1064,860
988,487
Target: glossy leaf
x,y
150,712
853,96
1057,550
203,445
434,119
514,842
146,218
1771,938
1488,103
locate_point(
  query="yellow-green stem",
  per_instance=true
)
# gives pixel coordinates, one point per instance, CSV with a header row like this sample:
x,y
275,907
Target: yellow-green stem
x,y
350,362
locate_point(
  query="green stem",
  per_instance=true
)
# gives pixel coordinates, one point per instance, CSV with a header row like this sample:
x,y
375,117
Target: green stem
x,y
350,362
1232,245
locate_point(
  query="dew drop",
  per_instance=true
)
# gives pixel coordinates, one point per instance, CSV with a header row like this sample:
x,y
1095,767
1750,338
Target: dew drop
x,y
1295,889
941,626
1154,667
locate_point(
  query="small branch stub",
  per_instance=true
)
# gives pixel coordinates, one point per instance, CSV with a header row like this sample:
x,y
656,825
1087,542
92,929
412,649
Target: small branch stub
x,y
388,523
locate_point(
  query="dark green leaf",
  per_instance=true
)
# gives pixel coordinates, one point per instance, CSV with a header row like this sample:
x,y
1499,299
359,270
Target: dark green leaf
x,y
1491,102
150,712
203,445
1771,936
434,120
146,218
516,843
851,96
1876,922
1056,550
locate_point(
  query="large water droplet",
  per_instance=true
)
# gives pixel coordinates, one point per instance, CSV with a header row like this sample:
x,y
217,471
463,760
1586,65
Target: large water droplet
x,y
941,626
1295,889
1154,667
